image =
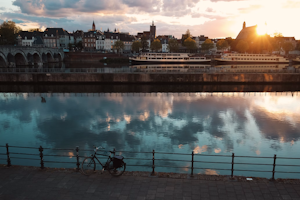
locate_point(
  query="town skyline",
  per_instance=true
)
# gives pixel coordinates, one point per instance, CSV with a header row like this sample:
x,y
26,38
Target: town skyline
x,y
214,18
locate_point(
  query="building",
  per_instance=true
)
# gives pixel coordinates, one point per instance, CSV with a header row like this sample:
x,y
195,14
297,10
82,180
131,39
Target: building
x,y
89,40
152,33
93,26
247,33
26,38
56,37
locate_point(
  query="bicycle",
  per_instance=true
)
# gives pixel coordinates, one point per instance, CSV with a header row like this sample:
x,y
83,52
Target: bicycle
x,y
115,165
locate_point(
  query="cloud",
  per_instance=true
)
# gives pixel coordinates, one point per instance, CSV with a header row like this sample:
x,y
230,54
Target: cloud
x,y
291,4
249,9
209,10
226,0
2,8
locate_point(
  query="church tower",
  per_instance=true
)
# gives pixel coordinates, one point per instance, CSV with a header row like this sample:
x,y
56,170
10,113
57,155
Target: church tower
x,y
93,27
152,31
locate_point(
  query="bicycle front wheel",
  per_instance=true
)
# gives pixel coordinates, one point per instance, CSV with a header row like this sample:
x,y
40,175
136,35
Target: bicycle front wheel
x,y
88,166
116,171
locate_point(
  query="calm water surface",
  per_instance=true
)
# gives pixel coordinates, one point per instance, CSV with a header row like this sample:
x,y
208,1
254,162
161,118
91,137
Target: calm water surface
x,y
247,124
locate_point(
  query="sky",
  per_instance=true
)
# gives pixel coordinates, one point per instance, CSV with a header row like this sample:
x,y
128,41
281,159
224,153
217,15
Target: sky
x,y
212,18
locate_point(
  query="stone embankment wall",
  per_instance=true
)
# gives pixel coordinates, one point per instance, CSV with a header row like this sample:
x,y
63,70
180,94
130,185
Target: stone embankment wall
x,y
151,78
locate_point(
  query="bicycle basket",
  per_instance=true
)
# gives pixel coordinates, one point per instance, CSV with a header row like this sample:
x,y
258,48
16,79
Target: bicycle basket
x,y
117,161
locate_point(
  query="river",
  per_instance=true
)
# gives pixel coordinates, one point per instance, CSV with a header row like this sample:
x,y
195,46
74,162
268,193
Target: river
x,y
258,124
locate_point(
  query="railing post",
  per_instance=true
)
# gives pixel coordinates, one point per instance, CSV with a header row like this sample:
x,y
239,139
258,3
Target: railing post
x,y
77,155
192,169
274,164
232,163
41,155
8,158
153,166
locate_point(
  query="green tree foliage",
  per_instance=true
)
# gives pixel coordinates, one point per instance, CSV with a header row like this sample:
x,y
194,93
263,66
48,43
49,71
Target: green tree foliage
x,y
222,44
118,46
190,44
156,45
207,45
9,32
145,44
287,46
173,45
242,46
136,46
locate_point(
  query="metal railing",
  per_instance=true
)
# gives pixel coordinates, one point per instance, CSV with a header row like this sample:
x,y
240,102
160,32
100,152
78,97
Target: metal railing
x,y
134,70
151,157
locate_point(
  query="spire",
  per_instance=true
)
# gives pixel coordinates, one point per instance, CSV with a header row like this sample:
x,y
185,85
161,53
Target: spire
x,y
152,23
93,27
244,25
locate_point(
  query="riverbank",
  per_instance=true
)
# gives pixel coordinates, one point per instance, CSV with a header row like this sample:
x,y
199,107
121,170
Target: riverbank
x,y
19,182
200,78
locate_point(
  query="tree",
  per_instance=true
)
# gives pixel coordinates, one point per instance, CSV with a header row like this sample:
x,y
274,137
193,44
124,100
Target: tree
x,y
9,32
186,35
144,42
79,45
287,46
190,44
242,46
207,45
118,46
278,34
173,45
298,46
34,29
136,46
155,45
222,44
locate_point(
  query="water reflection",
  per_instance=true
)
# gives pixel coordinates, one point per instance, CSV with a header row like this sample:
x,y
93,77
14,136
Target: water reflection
x,y
262,125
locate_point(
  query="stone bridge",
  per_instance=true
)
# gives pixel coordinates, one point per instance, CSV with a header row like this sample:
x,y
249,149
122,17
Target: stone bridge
x,y
12,56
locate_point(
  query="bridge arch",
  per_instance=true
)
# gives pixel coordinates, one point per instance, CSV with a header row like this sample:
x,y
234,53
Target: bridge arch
x,y
3,60
58,56
20,58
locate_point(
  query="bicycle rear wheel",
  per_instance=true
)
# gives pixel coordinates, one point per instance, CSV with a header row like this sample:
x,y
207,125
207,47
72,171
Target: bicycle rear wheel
x,y
116,171
88,166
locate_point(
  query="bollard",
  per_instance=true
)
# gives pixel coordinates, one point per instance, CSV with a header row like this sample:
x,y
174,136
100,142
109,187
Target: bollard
x,y
273,172
77,156
192,169
232,163
41,155
153,166
8,158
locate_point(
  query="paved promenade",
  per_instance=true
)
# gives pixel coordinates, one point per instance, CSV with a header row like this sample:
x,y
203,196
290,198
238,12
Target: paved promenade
x,y
32,183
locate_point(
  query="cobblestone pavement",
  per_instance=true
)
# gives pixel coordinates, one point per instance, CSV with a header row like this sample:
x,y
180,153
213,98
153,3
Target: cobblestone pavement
x,y
32,183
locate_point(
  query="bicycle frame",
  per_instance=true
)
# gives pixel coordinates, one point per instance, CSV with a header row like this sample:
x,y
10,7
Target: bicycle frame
x,y
108,159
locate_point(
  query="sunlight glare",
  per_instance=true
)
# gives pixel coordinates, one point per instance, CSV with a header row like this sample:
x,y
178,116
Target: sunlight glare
x,y
261,29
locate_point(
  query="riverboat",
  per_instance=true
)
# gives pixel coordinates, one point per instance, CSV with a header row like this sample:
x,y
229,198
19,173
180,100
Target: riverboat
x,y
169,58
172,68
251,58
252,67
297,59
